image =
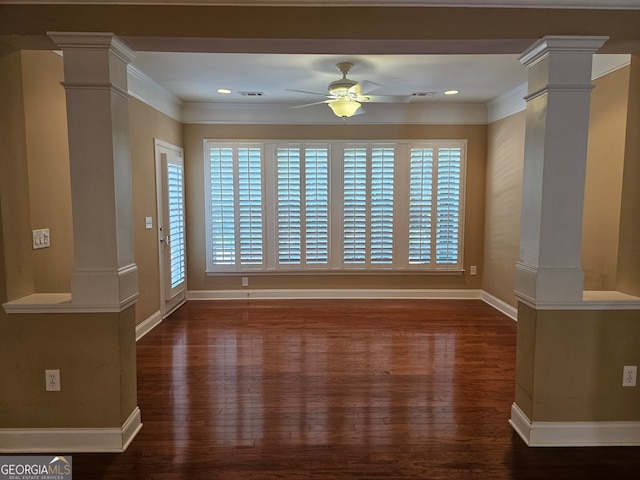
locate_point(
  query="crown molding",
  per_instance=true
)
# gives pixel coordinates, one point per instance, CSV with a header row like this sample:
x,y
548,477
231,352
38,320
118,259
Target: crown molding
x,y
376,113
146,90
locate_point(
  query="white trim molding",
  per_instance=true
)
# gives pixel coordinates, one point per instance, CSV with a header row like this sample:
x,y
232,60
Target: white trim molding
x,y
331,294
74,440
500,305
149,92
148,324
61,303
574,434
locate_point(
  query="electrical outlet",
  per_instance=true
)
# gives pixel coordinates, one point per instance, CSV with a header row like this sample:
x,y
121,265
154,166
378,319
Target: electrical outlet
x,y
52,379
473,270
629,376
245,281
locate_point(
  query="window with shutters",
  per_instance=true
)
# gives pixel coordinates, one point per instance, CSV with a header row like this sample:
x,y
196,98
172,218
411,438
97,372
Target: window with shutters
x,y
334,206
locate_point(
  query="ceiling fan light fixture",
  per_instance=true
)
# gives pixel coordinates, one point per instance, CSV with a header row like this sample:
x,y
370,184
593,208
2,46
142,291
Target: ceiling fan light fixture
x,y
344,108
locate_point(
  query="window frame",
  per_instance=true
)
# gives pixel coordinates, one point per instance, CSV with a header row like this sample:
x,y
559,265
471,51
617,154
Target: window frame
x,y
336,264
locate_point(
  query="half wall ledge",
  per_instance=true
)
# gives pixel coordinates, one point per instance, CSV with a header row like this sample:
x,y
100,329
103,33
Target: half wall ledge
x,y
61,303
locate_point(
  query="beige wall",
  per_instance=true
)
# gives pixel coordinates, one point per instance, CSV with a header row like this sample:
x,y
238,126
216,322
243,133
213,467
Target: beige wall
x,y
569,365
97,370
474,216
48,166
147,124
628,280
603,183
505,157
14,180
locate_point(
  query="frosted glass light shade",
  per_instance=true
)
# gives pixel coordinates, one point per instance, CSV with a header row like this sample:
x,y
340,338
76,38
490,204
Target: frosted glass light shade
x,y
344,108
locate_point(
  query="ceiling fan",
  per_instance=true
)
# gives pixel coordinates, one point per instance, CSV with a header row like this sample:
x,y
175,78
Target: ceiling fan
x,y
345,96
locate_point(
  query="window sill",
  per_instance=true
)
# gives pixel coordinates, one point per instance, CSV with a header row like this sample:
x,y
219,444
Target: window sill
x,y
332,272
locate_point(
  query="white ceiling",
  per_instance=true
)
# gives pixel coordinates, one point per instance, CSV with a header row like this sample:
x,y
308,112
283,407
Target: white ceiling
x,y
195,77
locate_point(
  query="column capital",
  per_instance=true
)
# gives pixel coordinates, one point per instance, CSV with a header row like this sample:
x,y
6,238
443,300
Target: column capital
x,y
93,41
560,44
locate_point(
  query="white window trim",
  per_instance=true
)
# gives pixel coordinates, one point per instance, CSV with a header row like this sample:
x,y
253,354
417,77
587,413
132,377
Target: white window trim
x,y
335,231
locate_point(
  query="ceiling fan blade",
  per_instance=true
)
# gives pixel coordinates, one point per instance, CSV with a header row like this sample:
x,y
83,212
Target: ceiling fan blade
x,y
367,86
304,91
389,98
310,104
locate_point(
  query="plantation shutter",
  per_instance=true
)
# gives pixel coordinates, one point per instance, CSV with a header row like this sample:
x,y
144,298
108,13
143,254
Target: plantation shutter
x,y
382,163
222,230
395,206
175,189
448,206
289,205
420,205
317,205
355,206
250,206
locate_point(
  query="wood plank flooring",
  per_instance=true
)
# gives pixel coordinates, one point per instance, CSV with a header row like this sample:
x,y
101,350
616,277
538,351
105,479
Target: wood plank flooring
x,y
373,389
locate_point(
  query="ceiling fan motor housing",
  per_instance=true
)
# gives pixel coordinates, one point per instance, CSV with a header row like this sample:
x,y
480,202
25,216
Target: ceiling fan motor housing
x,y
344,87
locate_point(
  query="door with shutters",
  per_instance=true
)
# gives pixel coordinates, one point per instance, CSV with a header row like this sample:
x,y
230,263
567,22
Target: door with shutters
x,y
171,226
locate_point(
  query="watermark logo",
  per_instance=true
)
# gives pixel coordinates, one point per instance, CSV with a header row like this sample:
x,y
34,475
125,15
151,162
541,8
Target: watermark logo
x,y
43,467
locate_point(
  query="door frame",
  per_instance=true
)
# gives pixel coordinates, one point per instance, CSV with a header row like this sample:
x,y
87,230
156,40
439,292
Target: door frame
x,y
161,149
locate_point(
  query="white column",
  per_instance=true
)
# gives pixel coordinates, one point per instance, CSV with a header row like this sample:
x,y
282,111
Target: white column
x,y
95,71
558,99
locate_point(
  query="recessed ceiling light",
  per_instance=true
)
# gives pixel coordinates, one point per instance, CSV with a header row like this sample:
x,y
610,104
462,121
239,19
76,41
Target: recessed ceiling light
x,y
452,92
223,90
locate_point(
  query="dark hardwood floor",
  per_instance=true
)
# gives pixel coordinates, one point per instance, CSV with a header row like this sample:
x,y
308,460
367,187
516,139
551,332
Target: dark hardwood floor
x,y
371,389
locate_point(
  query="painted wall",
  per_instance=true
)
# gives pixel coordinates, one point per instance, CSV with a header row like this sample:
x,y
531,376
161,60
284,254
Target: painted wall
x,y
505,157
603,183
14,180
569,365
474,218
628,280
145,124
48,168
97,370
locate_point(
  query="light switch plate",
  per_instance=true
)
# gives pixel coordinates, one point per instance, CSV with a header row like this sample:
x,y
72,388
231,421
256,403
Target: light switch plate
x,y
41,238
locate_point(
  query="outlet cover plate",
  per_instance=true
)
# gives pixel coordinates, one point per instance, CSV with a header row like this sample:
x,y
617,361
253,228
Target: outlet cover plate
x,y
629,375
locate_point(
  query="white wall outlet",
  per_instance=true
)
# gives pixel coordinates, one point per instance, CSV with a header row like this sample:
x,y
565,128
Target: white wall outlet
x,y
52,378
41,238
473,270
629,376
245,281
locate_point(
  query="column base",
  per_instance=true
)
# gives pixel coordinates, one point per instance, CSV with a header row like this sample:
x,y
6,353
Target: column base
x,y
112,290
540,286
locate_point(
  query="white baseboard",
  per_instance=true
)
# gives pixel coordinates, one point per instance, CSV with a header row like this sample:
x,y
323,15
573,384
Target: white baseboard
x,y
500,305
574,434
332,294
148,324
70,440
